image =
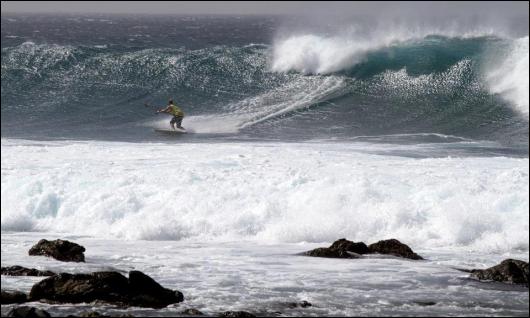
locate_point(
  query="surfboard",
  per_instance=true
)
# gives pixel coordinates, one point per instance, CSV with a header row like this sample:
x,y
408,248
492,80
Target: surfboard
x,y
171,131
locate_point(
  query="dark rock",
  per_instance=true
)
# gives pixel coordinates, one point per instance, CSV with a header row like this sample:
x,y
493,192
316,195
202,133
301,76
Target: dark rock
x,y
148,293
60,250
236,314
344,244
13,297
23,271
340,249
393,247
139,290
303,304
508,271
327,252
191,312
77,288
27,312
425,303
347,249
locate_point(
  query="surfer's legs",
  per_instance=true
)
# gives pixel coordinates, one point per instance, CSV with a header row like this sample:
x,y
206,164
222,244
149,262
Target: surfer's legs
x,y
179,122
176,120
173,121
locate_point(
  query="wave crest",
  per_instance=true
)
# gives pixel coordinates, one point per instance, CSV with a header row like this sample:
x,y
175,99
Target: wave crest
x,y
510,77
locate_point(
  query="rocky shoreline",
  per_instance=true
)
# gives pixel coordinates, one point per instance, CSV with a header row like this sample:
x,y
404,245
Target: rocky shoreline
x,y
140,290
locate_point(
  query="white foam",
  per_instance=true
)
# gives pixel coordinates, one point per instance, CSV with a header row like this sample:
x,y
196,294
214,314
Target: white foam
x,y
311,53
509,76
269,193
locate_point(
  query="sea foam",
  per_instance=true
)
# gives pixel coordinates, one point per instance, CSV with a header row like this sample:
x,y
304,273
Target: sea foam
x,y
270,193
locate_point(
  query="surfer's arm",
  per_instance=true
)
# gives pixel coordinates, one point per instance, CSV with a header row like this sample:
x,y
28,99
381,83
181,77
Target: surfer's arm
x,y
163,110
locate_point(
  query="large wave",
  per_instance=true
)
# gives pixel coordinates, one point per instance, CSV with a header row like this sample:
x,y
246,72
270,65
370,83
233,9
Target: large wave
x,y
313,54
471,86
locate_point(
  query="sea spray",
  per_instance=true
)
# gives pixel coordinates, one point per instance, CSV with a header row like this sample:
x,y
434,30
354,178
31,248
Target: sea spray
x,y
509,76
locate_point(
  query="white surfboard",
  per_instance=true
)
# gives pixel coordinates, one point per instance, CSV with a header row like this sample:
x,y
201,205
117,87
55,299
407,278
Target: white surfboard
x,y
171,131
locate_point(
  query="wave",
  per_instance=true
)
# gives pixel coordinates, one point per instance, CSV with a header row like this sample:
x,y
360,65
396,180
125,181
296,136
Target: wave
x,y
471,86
510,77
313,54
254,192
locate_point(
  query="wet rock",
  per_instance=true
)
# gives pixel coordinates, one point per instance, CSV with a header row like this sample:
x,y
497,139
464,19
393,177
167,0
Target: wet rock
x,y
27,312
327,252
77,288
139,290
340,249
13,297
508,271
347,249
303,304
191,312
145,292
345,245
60,250
23,271
236,314
393,247
425,303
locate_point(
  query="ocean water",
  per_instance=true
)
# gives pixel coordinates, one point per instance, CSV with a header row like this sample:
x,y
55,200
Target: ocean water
x,y
298,136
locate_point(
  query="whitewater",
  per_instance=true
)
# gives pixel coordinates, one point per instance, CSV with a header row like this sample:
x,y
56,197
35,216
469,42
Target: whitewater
x,y
296,138
255,192
229,220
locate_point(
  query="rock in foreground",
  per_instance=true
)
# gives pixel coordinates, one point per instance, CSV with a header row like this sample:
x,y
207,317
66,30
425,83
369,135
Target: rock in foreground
x,y
23,271
60,250
393,247
348,249
139,290
508,271
303,304
13,297
28,312
340,249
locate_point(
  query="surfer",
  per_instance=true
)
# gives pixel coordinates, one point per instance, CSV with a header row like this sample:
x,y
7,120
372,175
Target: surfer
x,y
177,113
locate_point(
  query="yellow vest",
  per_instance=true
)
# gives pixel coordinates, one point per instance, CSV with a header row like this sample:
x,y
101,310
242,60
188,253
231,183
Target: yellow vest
x,y
176,111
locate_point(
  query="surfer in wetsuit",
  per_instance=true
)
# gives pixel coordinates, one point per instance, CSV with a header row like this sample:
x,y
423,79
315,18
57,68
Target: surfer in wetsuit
x,y
177,113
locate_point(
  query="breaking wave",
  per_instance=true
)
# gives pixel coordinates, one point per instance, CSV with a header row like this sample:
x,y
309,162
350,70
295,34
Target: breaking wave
x,y
472,86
